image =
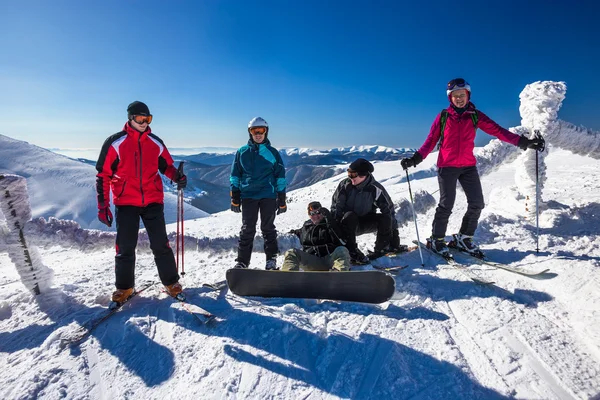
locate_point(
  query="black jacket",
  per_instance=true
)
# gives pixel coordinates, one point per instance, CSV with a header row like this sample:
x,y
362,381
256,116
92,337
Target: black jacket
x,y
363,199
321,239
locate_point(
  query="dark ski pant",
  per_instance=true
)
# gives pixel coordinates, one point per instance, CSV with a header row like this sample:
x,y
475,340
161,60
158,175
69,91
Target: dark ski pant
x,y
296,259
250,210
385,226
128,225
469,180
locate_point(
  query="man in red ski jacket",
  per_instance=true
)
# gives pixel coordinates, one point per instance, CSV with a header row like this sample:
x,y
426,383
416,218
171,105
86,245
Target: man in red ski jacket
x,y
129,165
454,128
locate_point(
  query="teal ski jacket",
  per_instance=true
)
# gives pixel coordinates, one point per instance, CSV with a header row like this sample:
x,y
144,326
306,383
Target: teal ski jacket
x,y
257,171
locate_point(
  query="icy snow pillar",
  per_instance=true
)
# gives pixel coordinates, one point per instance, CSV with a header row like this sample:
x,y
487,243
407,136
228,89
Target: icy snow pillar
x,y
14,202
540,102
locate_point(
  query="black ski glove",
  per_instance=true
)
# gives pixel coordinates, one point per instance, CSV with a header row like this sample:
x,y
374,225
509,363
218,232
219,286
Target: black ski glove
x,y
537,143
281,206
412,161
181,181
236,201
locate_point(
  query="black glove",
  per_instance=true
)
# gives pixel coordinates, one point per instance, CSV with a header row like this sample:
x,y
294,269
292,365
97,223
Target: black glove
x,y
236,201
412,161
281,206
181,181
537,143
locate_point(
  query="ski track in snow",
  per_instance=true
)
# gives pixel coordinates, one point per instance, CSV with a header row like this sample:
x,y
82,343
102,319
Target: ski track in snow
x,y
443,338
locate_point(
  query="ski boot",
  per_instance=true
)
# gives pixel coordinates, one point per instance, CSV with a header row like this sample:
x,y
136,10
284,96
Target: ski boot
x,y
271,265
358,258
439,246
465,243
119,297
240,265
175,290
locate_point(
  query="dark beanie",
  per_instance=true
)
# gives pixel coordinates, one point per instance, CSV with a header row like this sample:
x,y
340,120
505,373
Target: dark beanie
x,y
314,205
138,108
361,166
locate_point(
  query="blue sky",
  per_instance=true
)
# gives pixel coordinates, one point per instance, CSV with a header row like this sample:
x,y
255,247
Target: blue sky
x,y
322,73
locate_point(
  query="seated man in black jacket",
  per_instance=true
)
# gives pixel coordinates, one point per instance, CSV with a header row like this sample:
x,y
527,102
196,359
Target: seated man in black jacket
x,y
354,206
322,244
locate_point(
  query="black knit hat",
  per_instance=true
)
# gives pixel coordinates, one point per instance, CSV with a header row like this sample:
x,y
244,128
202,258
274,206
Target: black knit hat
x,y
362,166
137,108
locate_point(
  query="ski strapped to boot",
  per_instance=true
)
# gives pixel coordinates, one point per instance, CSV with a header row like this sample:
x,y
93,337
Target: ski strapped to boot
x,y
93,324
463,269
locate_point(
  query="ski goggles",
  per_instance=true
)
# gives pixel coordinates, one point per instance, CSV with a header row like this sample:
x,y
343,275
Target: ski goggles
x,y
140,119
354,174
457,83
258,130
314,208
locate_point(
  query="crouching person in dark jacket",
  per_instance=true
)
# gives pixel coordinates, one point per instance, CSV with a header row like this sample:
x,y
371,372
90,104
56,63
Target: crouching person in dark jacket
x,y
354,206
322,244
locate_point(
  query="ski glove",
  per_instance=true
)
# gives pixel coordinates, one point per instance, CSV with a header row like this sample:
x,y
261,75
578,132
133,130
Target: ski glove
x,y
537,143
236,201
181,181
281,206
412,161
105,216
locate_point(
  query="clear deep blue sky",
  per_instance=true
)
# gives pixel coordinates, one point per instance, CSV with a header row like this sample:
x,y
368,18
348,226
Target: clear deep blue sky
x,y
322,73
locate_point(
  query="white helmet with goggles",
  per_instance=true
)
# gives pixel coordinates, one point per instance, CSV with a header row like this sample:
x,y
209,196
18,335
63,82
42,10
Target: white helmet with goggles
x,y
457,84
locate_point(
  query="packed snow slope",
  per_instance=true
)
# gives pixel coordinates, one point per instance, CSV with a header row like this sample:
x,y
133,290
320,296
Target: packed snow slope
x,y
440,337
62,187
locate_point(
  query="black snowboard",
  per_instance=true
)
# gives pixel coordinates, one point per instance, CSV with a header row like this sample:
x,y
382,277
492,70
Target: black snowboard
x,y
360,286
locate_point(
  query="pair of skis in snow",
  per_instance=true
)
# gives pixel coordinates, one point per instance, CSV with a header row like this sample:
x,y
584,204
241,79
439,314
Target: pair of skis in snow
x,y
472,275
199,313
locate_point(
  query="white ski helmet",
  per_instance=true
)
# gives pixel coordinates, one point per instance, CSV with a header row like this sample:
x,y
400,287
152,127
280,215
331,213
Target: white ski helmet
x,y
458,84
258,121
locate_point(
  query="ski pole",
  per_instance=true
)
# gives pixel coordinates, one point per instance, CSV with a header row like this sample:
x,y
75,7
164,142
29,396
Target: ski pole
x,y
412,204
177,236
180,217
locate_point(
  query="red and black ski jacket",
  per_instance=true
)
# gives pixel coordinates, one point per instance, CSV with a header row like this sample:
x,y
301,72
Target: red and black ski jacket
x,y
129,163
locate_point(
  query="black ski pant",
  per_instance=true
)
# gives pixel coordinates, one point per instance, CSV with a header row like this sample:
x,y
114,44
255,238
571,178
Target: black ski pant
x,y
128,225
469,180
250,210
385,226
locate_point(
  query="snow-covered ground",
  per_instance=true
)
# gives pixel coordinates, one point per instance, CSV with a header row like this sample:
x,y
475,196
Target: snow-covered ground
x,y
441,337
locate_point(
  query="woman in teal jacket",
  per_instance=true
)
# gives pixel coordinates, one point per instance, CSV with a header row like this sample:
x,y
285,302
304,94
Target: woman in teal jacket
x,y
258,185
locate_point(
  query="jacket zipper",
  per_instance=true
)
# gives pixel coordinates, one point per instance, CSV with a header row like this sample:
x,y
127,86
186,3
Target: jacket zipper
x,y
141,176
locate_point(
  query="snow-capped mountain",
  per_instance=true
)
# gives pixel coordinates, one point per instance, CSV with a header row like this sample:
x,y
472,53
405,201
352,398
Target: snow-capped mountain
x,y
209,173
295,156
62,187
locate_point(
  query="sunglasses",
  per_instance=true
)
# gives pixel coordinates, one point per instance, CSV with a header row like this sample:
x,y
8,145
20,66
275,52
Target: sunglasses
x,y
140,119
314,212
259,130
458,82
354,174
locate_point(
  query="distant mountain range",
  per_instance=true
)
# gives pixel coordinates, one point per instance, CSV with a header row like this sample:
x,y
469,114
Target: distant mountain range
x,y
64,187
295,156
208,173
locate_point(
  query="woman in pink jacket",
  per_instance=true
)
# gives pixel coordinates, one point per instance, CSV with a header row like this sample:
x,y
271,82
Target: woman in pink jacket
x,y
454,128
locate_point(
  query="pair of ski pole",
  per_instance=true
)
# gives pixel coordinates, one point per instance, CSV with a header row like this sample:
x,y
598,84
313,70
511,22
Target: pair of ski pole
x,y
180,233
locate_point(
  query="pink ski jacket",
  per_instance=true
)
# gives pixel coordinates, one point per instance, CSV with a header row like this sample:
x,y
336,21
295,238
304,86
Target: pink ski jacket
x,y
459,137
